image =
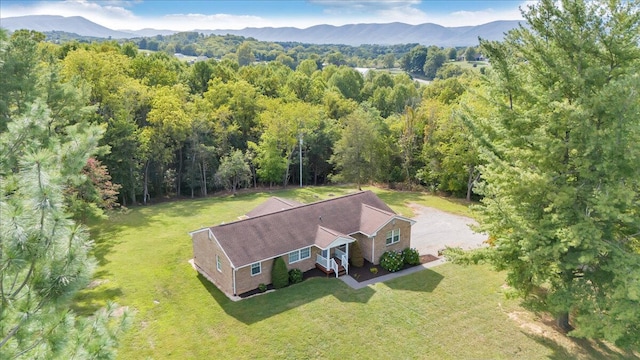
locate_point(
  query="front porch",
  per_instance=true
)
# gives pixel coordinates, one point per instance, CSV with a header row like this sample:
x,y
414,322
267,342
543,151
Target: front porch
x,y
334,261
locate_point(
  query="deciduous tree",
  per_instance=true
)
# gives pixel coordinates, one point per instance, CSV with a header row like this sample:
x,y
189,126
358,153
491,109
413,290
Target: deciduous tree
x,y
233,171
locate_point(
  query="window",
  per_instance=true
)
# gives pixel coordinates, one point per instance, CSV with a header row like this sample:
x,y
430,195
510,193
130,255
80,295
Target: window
x,y
393,237
298,255
218,263
256,269
294,257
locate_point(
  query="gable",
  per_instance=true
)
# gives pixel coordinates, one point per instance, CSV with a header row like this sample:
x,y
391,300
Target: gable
x,y
273,204
274,234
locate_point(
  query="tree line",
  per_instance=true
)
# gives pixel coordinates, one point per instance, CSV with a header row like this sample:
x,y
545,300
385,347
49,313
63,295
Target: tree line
x,y
172,128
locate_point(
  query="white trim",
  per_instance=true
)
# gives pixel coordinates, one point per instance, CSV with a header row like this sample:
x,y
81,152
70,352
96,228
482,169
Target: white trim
x,y
212,236
393,236
300,258
373,248
197,231
259,268
221,248
340,240
218,263
396,217
277,256
234,282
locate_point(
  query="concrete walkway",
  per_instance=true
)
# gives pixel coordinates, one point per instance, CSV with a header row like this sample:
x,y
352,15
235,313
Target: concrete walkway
x,y
433,231
359,285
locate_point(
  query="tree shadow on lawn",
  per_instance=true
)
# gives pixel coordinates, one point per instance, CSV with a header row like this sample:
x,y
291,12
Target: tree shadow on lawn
x,y
88,301
422,281
584,349
106,233
264,306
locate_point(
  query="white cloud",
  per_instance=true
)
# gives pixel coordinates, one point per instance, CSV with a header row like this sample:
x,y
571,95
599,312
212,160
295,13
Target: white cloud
x,y
110,13
115,15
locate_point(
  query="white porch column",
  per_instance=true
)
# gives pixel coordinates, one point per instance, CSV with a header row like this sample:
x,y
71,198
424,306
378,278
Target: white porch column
x,y
328,259
347,251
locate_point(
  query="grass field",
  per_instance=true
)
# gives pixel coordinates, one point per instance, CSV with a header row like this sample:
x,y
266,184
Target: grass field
x,y
445,312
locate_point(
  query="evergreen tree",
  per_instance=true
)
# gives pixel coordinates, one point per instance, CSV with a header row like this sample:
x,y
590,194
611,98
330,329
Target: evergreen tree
x,y
43,253
562,182
279,274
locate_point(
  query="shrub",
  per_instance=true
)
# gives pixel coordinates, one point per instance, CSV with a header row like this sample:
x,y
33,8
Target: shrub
x,y
392,261
411,256
355,251
279,274
295,276
373,270
262,287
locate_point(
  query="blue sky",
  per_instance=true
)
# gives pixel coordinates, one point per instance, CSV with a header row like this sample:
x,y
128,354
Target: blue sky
x,y
238,14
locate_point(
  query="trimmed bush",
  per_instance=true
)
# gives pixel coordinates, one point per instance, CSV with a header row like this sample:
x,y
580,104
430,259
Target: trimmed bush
x,y
295,276
279,274
411,256
355,252
262,287
392,261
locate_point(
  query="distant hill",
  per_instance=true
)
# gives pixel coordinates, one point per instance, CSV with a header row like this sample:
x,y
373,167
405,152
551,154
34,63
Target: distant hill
x,y
74,24
383,34
355,34
151,32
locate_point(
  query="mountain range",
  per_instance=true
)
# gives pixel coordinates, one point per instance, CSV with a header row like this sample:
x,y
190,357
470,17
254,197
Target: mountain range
x,y
354,34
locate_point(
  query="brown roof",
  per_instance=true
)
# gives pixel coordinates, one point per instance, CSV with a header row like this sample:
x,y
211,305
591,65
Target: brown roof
x,y
273,204
277,233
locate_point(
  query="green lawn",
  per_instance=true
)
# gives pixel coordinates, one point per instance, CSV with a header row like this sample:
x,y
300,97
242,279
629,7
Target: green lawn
x,y
445,312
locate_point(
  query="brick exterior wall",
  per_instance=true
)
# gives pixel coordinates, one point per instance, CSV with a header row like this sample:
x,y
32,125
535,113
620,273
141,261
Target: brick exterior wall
x,y
245,282
205,251
380,245
366,244
204,257
373,248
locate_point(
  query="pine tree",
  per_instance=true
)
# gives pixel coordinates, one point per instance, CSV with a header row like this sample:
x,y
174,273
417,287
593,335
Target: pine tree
x,y
44,258
43,253
562,183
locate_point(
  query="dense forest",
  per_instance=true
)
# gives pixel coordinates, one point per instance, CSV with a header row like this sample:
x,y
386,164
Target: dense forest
x,y
172,128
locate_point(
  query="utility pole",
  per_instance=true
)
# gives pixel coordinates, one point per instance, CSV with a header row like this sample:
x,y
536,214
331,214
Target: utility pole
x,y
300,138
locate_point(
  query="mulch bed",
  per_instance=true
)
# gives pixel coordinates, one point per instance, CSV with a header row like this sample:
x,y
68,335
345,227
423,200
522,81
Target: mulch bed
x,y
364,273
359,274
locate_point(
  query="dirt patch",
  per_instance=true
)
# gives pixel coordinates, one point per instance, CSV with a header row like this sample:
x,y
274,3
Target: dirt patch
x,y
543,327
97,282
119,311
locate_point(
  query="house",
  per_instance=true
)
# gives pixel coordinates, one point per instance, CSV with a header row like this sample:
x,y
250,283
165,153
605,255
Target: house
x,y
239,256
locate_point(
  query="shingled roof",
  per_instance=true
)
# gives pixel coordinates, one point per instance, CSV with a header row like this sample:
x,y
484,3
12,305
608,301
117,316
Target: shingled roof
x,y
273,204
273,234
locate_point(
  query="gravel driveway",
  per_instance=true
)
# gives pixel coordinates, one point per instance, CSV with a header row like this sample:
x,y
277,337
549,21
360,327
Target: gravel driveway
x,y
434,229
